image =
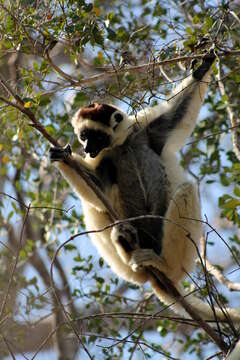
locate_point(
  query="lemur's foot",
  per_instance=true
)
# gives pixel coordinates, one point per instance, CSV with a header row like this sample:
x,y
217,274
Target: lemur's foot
x,y
125,235
59,153
146,257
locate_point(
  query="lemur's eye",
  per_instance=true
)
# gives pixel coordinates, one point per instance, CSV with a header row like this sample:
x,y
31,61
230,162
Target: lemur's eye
x,y
100,136
83,135
118,117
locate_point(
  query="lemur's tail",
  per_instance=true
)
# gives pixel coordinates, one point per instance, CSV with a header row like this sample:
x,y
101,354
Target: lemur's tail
x,y
204,310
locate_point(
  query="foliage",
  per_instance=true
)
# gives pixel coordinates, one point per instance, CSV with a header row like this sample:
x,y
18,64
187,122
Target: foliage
x,y
55,57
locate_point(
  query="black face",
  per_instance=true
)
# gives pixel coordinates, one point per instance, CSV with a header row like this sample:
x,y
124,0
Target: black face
x,y
94,141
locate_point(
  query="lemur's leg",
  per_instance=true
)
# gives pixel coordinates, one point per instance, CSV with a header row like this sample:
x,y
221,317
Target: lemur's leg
x,y
57,156
96,220
181,235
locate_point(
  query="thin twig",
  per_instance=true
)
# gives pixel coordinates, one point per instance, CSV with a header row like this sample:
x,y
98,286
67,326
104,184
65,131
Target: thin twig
x,y
67,316
60,71
213,270
4,303
233,120
44,342
147,66
8,347
9,90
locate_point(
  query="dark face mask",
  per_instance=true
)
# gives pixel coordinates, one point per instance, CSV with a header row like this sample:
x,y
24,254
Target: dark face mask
x,y
95,141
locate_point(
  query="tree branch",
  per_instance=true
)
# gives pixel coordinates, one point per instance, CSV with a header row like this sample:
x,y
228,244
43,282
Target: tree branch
x,y
213,270
60,71
144,67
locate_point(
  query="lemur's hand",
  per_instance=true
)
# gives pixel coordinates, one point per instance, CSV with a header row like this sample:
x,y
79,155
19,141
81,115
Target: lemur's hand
x,y
59,153
126,235
207,62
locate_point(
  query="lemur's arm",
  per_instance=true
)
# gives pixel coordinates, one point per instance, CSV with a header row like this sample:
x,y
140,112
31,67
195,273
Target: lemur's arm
x,y
58,156
170,123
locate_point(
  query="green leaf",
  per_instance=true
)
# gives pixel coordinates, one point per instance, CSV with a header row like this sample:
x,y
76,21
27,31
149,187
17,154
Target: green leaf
x,y
209,22
231,204
45,100
224,98
189,30
70,247
9,24
99,279
237,191
196,19
111,34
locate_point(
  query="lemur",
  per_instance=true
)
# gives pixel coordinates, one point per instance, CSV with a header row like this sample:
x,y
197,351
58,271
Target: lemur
x,y
133,160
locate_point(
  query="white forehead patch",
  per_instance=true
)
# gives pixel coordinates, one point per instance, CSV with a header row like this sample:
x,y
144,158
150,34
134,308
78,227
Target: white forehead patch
x,y
80,123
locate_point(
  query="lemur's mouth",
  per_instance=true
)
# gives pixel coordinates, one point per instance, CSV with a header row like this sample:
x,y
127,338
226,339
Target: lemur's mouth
x,y
93,154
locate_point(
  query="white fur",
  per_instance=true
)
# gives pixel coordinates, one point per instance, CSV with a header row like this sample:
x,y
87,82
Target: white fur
x,y
182,226
235,354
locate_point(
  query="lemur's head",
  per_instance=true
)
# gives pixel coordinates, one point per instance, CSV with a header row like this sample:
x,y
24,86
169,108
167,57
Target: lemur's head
x,y
99,126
